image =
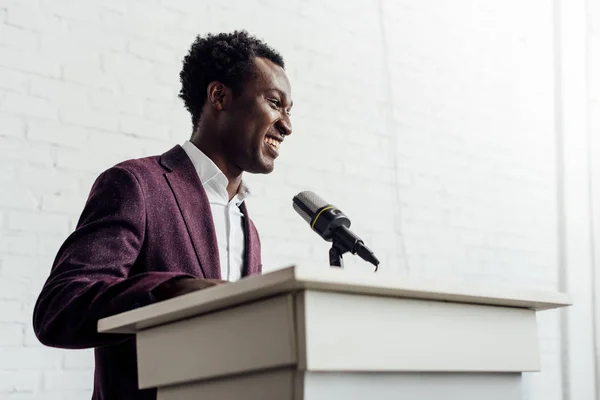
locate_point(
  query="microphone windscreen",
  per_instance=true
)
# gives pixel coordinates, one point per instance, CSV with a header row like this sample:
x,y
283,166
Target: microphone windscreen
x,y
307,204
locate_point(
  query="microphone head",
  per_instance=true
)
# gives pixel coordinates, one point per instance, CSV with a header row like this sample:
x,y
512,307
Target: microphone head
x,y
332,225
307,204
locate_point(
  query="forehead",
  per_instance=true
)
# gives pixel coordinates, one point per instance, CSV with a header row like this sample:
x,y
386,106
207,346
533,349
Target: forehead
x,y
268,75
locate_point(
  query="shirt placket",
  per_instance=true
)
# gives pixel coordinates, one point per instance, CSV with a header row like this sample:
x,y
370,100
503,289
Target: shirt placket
x,y
228,238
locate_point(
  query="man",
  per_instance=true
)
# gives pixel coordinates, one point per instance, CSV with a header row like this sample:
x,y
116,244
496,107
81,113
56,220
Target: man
x,y
158,227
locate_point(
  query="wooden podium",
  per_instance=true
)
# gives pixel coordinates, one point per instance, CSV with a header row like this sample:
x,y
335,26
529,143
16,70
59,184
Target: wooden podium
x,y
328,333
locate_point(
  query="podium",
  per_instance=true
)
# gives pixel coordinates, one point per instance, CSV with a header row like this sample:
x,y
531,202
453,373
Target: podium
x,y
329,333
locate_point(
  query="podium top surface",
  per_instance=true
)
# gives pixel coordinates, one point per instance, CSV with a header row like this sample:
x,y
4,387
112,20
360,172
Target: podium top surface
x,y
298,278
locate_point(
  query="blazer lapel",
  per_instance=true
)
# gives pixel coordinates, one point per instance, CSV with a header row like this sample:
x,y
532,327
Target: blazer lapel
x,y
252,259
195,209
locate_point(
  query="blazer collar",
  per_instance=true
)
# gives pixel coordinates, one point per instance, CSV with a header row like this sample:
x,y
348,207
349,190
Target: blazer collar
x,y
195,209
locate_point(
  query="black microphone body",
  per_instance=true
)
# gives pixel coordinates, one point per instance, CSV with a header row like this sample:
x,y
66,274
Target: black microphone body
x,y
333,226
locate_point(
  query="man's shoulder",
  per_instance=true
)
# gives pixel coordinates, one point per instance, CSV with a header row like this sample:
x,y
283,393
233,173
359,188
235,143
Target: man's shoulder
x,y
143,165
145,171
129,173
152,165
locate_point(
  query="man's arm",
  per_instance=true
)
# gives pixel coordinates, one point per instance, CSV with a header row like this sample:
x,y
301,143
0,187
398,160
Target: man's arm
x,y
90,278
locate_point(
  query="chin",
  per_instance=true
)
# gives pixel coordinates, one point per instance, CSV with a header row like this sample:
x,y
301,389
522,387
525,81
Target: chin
x,y
265,169
260,167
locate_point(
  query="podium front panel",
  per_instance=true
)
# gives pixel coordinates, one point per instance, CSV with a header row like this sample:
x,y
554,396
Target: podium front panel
x,y
353,333
249,337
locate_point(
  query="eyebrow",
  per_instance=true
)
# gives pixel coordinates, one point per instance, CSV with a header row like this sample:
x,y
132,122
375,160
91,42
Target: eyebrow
x,y
282,94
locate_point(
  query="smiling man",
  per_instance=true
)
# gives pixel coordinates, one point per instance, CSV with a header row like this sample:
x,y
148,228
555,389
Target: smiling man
x,y
162,226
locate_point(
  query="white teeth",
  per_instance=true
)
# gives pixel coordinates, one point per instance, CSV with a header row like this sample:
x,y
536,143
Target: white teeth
x,y
272,142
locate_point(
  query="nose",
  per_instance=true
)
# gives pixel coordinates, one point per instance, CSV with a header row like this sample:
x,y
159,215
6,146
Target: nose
x,y
284,126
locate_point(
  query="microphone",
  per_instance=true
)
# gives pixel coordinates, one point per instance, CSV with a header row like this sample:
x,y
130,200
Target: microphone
x,y
333,226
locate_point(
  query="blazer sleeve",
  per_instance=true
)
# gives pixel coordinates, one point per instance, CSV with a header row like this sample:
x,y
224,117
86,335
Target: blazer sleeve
x,y
90,278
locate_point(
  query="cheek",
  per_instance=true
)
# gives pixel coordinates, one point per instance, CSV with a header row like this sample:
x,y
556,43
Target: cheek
x,y
260,124
266,114
253,125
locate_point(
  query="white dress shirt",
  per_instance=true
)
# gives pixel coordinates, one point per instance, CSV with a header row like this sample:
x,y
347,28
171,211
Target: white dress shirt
x,y
227,217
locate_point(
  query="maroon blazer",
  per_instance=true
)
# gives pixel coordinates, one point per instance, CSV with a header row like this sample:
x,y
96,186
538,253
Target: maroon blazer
x,y
146,221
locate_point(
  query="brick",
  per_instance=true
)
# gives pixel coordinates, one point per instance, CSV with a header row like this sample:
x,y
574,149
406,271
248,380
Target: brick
x,y
11,288
16,382
18,243
29,358
13,81
19,150
84,116
35,285
53,132
115,143
154,14
76,394
30,298
79,359
85,161
50,244
32,18
23,266
180,129
167,74
63,203
149,90
18,198
101,38
11,334
21,221
68,10
114,5
123,65
6,3
158,110
178,37
18,38
11,126
10,311
116,103
69,50
142,127
19,104
28,62
35,396
46,179
149,146
180,5
58,91
29,338
150,51
89,74
8,171
55,380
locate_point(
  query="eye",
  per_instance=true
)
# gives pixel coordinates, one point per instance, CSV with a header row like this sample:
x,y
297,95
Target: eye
x,y
275,102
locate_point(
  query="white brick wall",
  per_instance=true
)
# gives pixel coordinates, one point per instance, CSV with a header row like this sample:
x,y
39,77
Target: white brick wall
x,y
593,68
439,113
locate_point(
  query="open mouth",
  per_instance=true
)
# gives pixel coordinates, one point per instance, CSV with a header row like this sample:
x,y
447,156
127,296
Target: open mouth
x,y
274,143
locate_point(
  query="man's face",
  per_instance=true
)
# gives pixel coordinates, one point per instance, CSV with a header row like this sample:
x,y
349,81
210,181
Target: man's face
x,y
258,119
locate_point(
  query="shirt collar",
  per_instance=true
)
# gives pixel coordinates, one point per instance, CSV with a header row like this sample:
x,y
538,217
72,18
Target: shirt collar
x,y
209,173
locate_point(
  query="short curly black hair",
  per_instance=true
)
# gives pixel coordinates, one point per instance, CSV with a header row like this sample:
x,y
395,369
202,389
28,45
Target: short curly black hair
x,y
223,57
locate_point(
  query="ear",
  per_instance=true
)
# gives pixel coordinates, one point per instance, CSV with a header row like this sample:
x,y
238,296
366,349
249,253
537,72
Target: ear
x,y
218,95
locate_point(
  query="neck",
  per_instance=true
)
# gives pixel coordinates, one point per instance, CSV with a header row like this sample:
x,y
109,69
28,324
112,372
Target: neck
x,y
211,148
